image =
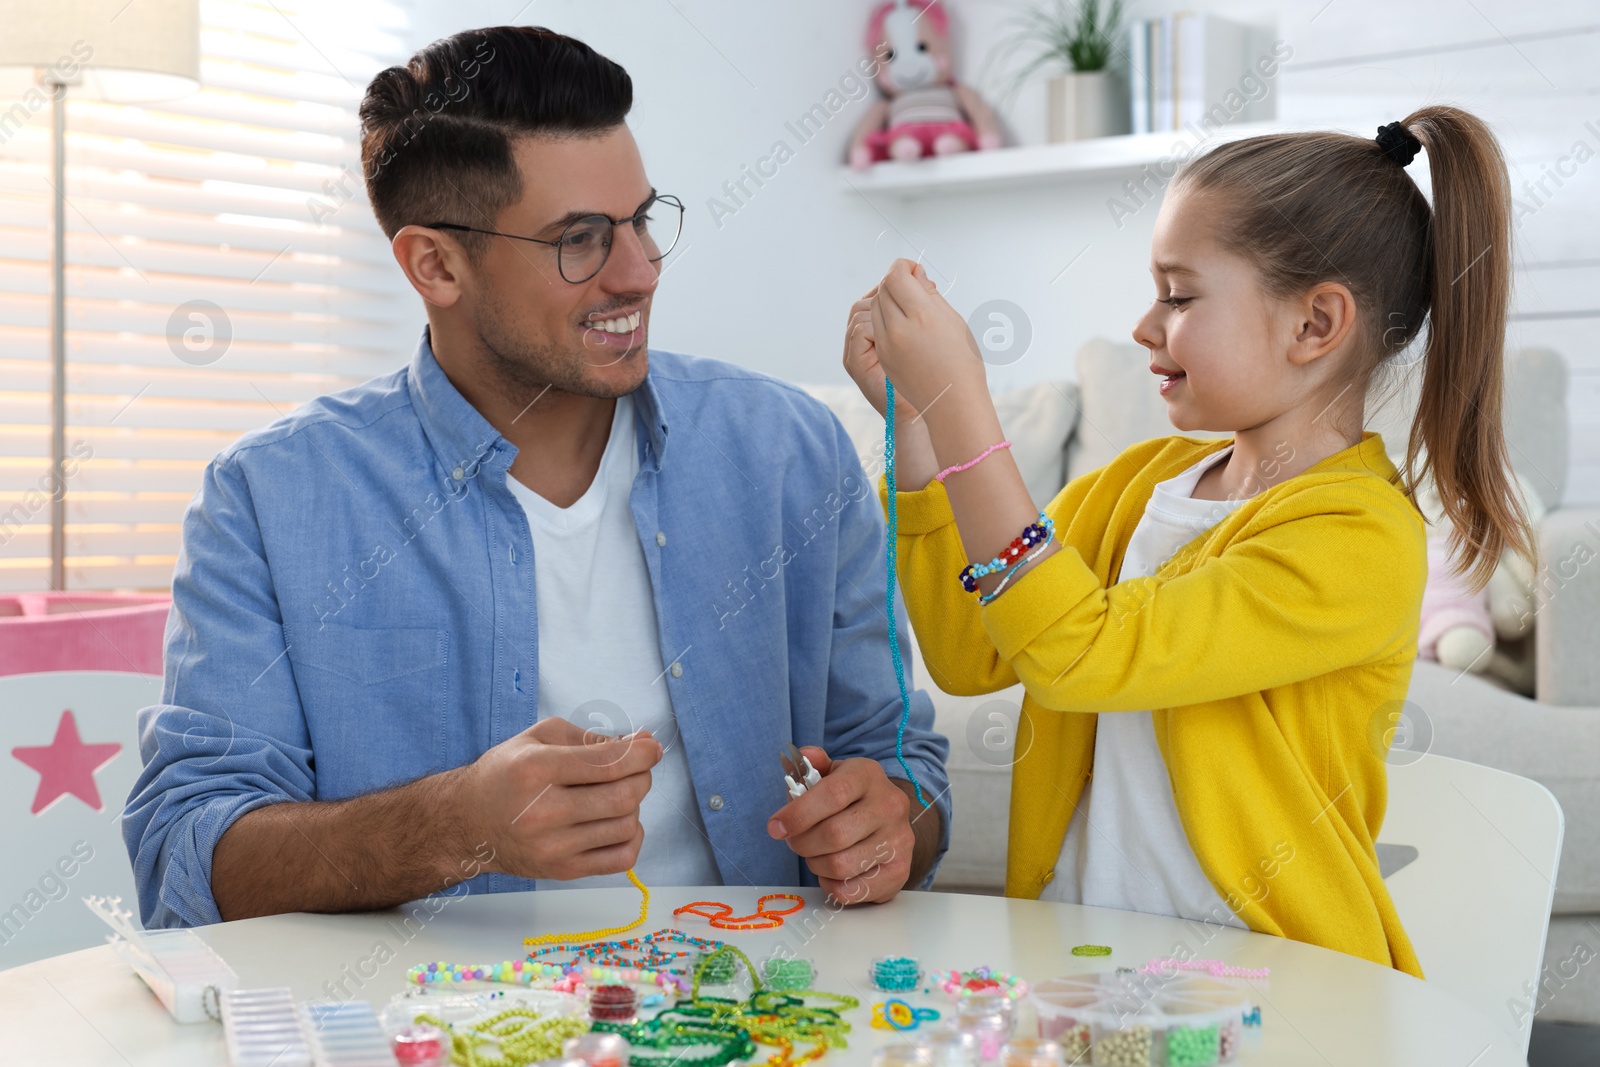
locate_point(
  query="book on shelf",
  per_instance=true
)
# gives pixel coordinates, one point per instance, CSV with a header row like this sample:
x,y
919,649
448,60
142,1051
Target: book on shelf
x,y
1189,68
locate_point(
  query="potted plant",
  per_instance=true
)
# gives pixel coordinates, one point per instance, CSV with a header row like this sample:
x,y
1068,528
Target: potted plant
x,y
1086,98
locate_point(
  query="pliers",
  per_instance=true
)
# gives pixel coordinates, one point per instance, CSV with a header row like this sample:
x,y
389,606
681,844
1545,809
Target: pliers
x,y
798,773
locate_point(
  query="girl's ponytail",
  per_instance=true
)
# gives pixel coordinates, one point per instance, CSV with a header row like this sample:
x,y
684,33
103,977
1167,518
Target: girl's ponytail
x,y
1458,423
1305,208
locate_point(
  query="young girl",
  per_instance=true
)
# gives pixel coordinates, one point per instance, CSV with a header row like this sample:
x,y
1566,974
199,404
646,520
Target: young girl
x,y
1215,635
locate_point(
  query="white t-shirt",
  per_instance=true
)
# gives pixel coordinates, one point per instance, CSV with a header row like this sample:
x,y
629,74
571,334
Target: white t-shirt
x,y
1125,847
599,657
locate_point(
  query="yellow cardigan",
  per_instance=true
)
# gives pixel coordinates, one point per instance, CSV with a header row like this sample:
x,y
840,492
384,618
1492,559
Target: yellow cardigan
x,y
1273,650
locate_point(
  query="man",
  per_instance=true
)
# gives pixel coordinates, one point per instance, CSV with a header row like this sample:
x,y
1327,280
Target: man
x,y
403,614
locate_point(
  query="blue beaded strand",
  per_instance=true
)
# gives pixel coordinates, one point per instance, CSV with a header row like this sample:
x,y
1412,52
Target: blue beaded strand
x,y
888,595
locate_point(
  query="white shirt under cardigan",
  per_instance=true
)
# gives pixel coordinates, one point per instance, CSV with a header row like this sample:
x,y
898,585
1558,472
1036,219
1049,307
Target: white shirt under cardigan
x,y
599,657
1125,847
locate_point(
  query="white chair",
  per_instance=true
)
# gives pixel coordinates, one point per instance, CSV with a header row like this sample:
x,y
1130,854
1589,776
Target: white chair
x,y
69,848
1476,898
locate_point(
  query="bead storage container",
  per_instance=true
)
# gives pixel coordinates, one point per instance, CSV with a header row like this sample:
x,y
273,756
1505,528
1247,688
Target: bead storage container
x,y
1142,1020
598,1049
420,1045
1031,1052
785,973
951,1047
894,974
902,1054
613,1004
990,1018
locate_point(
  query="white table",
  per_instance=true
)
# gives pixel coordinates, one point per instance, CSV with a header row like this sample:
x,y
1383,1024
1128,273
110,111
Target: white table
x,y
1319,1007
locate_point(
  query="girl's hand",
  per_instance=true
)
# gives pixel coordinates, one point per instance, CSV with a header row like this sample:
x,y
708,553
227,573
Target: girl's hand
x,y
914,452
921,341
861,361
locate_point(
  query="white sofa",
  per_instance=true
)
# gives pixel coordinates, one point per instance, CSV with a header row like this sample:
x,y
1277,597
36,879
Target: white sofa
x,y
1066,428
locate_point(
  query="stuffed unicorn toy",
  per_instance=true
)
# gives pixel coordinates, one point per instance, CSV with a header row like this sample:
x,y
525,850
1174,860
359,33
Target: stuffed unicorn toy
x,y
924,111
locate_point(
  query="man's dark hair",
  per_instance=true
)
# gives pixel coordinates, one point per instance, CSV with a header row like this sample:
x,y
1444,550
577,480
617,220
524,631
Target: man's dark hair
x,y
437,133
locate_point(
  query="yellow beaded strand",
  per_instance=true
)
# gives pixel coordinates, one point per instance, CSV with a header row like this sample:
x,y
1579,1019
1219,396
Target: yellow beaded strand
x,y
597,935
521,1035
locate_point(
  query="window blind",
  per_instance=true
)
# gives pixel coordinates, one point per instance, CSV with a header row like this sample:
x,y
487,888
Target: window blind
x,y
222,267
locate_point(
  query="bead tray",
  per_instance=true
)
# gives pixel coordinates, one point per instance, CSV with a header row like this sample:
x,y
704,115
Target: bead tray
x,y
1136,1020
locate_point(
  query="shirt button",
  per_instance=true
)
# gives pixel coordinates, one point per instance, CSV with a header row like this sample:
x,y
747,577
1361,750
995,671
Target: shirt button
x,y
1049,876
458,474
661,539
677,670
716,802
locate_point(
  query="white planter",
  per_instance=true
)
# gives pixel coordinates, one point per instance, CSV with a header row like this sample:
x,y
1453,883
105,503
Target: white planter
x,y
1087,104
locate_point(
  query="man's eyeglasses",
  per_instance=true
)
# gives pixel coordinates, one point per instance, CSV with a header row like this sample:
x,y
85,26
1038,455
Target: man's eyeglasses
x,y
584,246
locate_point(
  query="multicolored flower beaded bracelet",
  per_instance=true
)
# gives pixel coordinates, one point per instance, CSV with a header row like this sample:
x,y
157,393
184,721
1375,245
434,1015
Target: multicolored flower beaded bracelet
x,y
960,984
1034,533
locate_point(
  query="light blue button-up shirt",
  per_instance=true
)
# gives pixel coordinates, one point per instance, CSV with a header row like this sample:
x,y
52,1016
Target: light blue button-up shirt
x,y
353,608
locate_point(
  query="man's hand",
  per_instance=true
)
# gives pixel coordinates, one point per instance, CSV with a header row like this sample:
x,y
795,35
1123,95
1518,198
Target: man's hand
x,y
557,801
853,828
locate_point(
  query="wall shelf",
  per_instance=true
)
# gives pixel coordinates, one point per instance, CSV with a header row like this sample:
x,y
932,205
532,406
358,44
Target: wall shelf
x,y
1038,165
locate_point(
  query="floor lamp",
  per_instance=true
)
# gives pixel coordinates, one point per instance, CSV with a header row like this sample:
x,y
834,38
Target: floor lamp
x,y
118,51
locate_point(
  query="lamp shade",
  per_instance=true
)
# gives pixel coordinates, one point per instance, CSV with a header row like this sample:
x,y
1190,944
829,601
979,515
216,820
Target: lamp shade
x,y
125,51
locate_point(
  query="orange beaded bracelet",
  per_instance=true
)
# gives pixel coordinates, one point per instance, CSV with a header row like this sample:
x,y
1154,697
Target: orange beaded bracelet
x,y
721,915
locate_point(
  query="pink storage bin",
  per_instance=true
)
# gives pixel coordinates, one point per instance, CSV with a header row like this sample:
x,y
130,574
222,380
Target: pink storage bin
x,y
82,632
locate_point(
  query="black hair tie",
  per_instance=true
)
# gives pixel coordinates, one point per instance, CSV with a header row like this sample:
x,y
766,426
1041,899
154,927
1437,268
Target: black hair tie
x,y
1398,143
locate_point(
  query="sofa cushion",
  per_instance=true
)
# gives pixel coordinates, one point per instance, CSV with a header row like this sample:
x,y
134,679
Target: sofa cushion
x,y
1037,419
1533,412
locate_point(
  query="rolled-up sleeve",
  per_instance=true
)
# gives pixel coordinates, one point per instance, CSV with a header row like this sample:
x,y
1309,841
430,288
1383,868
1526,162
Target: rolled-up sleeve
x,y
229,735
864,705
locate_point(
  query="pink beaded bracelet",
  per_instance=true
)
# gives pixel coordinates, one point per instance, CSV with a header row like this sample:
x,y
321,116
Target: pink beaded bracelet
x,y
973,462
1215,968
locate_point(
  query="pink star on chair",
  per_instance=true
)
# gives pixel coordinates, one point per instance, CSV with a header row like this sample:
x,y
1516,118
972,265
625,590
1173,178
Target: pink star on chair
x,y
67,765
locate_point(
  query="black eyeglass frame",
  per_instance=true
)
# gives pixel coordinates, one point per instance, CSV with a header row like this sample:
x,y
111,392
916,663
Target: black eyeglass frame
x,y
655,198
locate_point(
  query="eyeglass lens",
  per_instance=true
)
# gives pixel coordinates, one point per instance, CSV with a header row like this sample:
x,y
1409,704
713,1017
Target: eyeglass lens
x,y
586,243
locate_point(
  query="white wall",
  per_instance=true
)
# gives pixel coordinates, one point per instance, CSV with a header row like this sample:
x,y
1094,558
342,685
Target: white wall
x,y
716,82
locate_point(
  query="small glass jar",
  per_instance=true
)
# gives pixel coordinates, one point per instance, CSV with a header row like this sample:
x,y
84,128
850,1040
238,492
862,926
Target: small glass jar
x,y
989,1017
902,1054
613,1004
952,1048
894,974
420,1045
598,1049
1030,1052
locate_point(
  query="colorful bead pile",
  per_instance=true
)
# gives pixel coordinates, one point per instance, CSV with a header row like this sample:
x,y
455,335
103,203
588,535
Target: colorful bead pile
x,y
1228,1042
655,951
979,980
667,1039
1125,1048
786,974
1074,1042
716,968
420,1045
773,1018
1192,1046
895,974
521,1035
613,1003
567,978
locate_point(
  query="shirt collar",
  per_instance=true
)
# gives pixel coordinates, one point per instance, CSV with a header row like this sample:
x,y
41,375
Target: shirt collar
x,y
462,437
1367,454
